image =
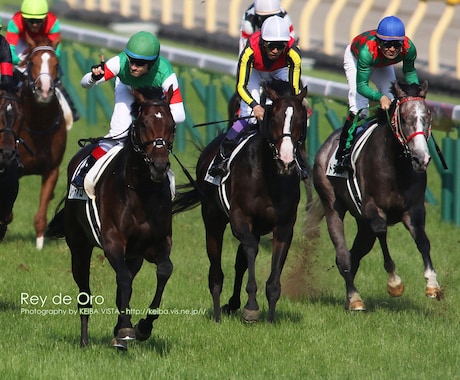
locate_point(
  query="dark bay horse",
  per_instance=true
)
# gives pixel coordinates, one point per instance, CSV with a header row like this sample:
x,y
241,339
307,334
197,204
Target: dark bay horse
x,y
263,194
10,118
133,204
391,177
43,133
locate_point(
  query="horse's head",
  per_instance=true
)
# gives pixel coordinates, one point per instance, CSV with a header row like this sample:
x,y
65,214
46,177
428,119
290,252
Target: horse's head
x,y
10,118
285,124
153,131
411,122
42,68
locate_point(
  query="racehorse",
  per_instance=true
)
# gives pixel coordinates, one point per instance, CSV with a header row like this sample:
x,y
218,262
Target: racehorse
x,y
133,204
263,194
390,176
10,117
43,133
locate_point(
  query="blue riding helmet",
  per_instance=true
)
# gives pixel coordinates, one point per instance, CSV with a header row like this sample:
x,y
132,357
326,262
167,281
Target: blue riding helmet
x,y
391,28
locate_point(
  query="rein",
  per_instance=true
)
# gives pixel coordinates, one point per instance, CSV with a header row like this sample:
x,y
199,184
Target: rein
x,y
395,122
139,145
272,144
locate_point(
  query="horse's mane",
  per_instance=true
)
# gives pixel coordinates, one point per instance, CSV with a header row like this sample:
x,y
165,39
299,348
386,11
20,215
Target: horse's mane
x,y
412,89
281,87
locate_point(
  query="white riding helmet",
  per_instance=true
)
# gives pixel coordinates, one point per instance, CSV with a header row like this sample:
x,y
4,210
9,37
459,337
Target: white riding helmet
x,y
267,7
275,28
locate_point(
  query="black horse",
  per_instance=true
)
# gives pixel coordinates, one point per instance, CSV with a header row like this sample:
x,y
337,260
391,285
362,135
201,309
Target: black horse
x,y
133,203
388,187
262,192
10,118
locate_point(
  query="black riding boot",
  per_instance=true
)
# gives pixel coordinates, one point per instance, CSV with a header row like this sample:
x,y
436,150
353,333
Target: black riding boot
x,y
343,154
69,100
219,166
79,178
303,170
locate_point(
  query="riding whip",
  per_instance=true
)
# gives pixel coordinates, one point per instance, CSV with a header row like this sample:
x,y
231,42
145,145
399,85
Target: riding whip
x,y
222,121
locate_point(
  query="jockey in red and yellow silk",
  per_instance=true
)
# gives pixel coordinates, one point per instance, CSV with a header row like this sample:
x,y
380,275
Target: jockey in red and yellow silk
x,y
270,53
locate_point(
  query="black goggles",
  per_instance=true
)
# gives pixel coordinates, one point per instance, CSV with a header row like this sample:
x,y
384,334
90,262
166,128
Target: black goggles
x,y
389,44
137,62
32,21
272,45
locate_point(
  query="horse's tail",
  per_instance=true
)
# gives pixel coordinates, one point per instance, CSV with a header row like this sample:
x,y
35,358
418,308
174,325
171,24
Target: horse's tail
x,y
315,213
55,228
187,199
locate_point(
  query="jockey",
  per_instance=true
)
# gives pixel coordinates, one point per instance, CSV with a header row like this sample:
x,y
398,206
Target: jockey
x,y
35,20
255,16
6,65
371,56
140,65
270,53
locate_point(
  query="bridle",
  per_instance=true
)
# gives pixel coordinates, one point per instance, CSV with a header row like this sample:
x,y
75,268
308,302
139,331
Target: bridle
x,y
396,125
140,146
9,128
274,142
34,82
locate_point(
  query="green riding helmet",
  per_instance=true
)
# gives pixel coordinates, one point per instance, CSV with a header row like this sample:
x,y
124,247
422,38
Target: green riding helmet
x,y
144,46
35,9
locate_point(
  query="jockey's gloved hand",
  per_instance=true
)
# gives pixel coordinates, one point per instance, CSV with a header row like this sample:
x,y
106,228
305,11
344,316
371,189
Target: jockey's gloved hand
x,y
7,83
97,76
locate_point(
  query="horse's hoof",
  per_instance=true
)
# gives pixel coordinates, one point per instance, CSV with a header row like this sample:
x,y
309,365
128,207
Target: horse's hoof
x,y
396,291
141,336
227,310
122,345
433,292
355,303
127,333
250,316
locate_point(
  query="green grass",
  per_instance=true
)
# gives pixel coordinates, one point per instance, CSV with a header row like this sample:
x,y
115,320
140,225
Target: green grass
x,y
411,337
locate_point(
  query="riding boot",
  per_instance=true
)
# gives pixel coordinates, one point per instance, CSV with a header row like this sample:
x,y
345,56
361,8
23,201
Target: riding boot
x,y
343,154
79,179
219,166
69,100
303,170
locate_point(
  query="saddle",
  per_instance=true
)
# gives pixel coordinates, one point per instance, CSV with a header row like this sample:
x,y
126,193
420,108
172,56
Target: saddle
x,y
220,182
363,133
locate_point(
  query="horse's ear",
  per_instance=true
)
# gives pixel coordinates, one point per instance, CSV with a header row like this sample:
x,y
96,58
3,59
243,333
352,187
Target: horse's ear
x,y
398,91
424,88
302,94
29,40
138,96
55,43
272,94
169,94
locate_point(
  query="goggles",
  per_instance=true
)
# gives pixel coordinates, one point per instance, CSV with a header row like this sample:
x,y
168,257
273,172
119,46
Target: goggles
x,y
137,62
388,44
272,45
32,21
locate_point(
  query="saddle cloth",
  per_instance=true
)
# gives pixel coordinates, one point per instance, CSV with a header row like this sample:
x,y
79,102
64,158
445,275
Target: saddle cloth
x,y
88,193
352,182
220,182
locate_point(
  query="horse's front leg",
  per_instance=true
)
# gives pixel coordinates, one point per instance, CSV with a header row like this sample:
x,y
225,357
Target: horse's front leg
x,y
49,180
415,223
123,330
144,326
250,246
282,238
